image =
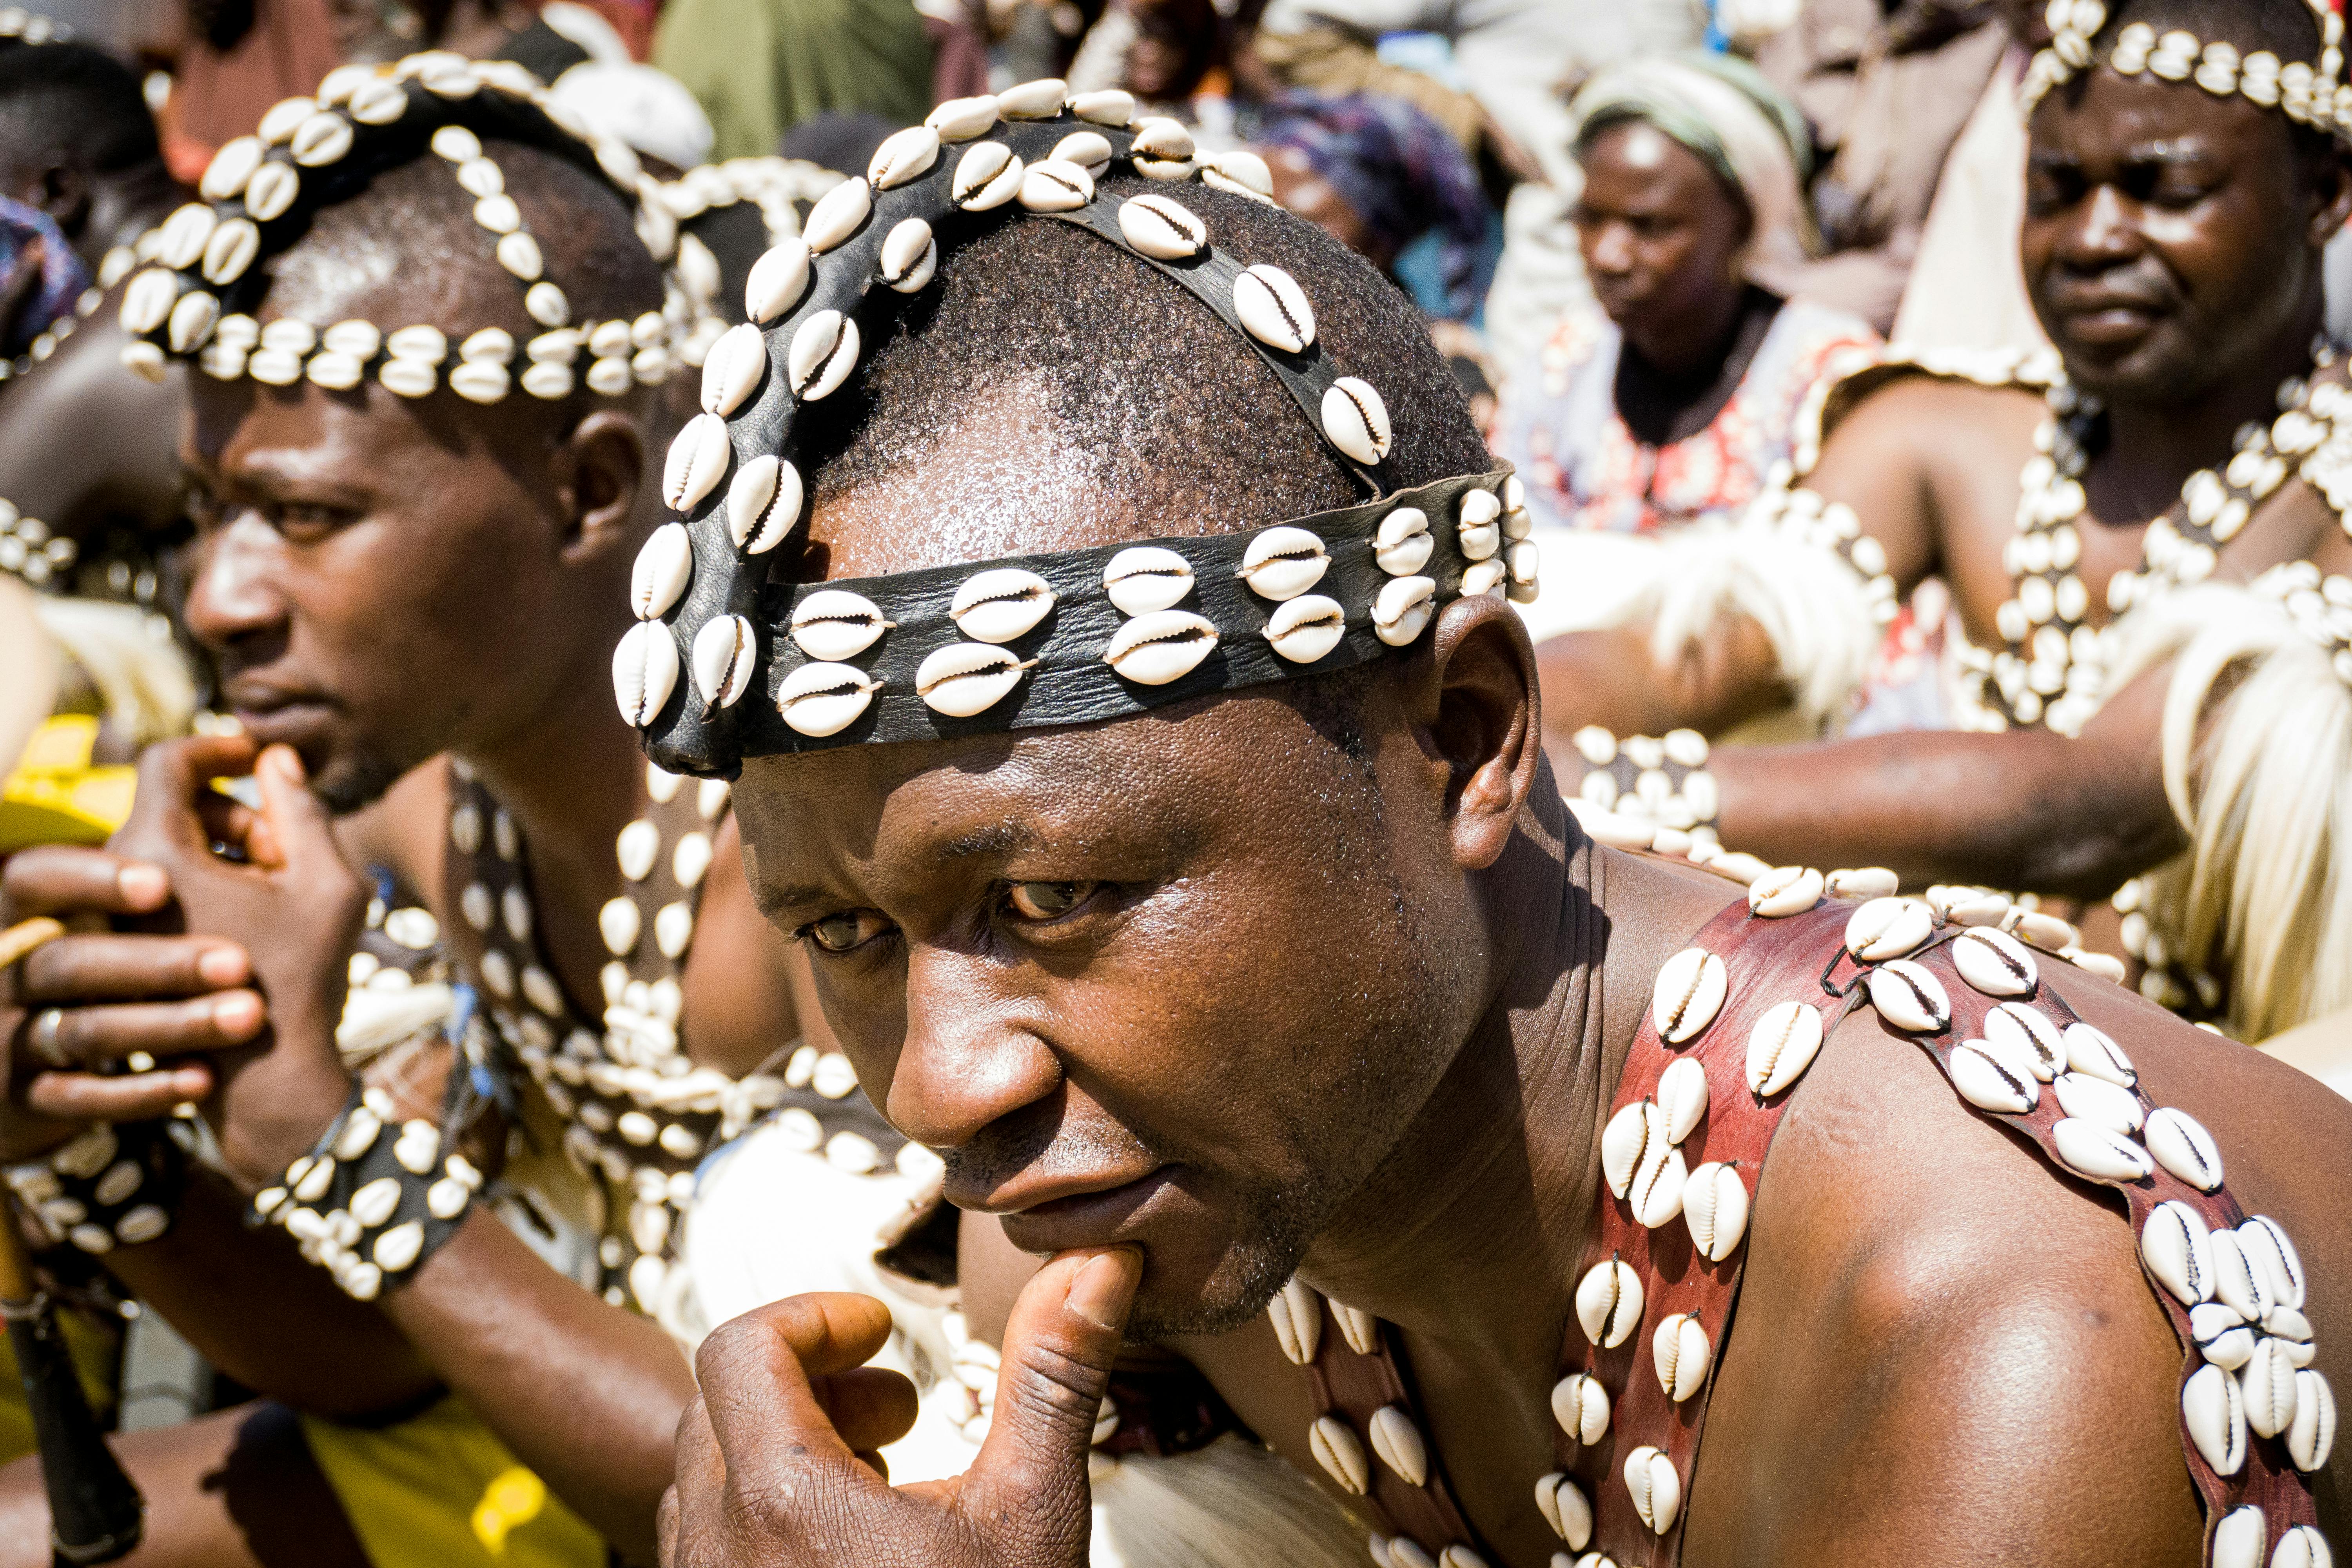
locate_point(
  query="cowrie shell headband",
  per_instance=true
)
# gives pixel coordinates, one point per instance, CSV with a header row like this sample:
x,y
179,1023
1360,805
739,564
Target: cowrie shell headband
x,y
2307,94
1042,640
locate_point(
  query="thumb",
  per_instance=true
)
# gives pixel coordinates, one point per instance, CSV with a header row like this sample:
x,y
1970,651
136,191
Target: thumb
x,y
294,831
1030,1479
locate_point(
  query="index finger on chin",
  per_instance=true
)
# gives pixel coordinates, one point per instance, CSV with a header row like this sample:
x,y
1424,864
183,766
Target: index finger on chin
x,y
165,813
754,1372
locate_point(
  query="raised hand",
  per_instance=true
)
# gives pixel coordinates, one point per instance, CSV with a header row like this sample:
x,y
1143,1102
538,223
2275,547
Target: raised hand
x,y
776,1464
293,905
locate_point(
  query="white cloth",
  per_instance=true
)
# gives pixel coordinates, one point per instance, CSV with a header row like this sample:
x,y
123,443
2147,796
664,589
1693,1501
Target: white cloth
x,y
1968,285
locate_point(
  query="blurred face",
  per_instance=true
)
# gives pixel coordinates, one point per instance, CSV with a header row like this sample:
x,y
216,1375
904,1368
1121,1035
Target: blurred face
x,y
1179,980
378,580
1661,235
1299,188
2169,236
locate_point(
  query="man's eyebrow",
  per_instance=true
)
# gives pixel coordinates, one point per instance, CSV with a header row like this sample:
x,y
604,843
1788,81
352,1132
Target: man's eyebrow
x,y
774,902
999,838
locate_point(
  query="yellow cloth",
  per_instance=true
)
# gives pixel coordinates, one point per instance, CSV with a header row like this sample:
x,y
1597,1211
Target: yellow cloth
x,y
55,796
439,1490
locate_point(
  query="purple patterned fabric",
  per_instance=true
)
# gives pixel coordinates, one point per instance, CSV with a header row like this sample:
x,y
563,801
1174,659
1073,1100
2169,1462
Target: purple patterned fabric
x,y
41,274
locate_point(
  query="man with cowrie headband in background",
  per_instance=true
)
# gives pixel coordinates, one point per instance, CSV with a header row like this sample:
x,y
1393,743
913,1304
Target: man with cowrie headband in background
x,y
1135,739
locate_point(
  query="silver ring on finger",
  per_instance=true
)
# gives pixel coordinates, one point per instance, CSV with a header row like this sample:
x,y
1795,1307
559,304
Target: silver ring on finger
x,y
46,1037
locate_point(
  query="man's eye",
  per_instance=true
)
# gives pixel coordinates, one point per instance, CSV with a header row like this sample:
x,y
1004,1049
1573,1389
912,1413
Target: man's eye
x,y
1045,900
845,931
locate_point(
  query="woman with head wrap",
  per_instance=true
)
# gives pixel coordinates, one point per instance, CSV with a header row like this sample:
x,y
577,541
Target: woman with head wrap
x,y
1671,400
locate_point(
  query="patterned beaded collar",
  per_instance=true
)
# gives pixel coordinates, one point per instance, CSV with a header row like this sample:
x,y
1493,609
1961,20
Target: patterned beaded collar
x,y
1042,640
2309,95
639,1116
309,152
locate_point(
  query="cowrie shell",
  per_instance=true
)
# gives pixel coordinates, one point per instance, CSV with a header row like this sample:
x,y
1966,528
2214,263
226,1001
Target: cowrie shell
x,y
1147,577
496,211
1631,1136
964,678
1306,628
1781,1047
1580,1406
961,119
1403,543
904,155
2302,1547
376,1200
491,345
1655,1193
518,254
1110,106
1566,1508
1089,150
1056,185
1609,1303
547,304
480,382
1162,228
1341,1452
1240,171
2047,932
457,145
1909,998
1273,309
2266,1383
148,302
2012,1025
1039,99
2239,1280
2178,1249
1682,1094
1400,1445
408,377
1868,882
377,103
696,459
180,244
663,568
1001,604
1484,577
231,248
2220,1335
278,122
763,502
2311,1437
645,671
2094,1100
1355,420
1359,1328
1655,1488
2263,1242
1682,1353
321,140
1687,995
1402,608
724,653
1158,139
821,699
1887,928
823,353
838,214
1714,1207
778,281
1989,1083
620,924
1994,963
1297,1320
2239,1539
909,255
232,166
398,1247
2215,1414
1785,890
2101,1152
987,176
1161,646
1283,563
270,192
733,369
2181,1146
193,320
429,345
2090,1051
833,624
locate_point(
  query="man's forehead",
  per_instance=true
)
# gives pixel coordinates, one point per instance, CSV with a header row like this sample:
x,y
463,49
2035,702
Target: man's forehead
x,y
2137,121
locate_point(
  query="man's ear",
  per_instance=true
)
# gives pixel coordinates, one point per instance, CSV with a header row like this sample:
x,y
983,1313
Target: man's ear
x,y
2334,205
600,473
1485,724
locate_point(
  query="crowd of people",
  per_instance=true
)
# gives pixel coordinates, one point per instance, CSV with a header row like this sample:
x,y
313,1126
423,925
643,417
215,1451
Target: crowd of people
x,y
687,680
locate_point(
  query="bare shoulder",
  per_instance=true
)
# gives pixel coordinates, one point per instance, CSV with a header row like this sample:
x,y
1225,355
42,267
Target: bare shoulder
x,y
1933,1316
1655,905
1916,414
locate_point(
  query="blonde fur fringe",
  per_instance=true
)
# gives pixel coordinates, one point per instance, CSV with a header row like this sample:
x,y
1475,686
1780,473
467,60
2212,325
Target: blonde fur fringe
x,y
144,679
1230,1503
2257,749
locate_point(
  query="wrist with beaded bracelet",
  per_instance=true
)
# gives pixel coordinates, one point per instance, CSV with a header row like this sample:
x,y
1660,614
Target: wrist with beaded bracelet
x,y
109,1185
375,1198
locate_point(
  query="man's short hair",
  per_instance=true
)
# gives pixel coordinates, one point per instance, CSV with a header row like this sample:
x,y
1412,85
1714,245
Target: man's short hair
x,y
75,100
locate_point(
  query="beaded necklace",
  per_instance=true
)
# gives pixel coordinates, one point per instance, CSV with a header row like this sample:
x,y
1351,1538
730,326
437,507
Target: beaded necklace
x,y
639,1115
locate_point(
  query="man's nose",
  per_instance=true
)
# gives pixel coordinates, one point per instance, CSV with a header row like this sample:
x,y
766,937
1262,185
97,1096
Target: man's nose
x,y
232,591
967,1061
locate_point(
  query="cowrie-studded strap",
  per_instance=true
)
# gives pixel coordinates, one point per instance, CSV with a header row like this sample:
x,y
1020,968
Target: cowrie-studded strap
x,y
1071,683
1803,958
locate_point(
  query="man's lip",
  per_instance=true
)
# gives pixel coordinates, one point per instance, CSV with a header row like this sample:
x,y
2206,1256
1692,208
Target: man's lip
x,y
1042,1194
1090,1218
2109,326
281,717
